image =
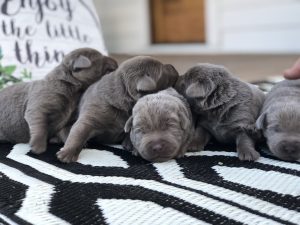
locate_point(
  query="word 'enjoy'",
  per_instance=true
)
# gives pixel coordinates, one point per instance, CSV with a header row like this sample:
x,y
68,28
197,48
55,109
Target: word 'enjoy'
x,y
12,8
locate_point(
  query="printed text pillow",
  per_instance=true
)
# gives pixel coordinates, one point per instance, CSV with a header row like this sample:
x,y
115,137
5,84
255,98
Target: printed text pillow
x,y
35,35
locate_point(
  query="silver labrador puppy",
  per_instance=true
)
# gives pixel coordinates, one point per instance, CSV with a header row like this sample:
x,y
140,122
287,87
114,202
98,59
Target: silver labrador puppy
x,y
107,104
227,107
36,111
161,127
280,120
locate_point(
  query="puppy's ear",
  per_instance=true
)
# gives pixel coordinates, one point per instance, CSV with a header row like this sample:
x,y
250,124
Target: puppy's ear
x,y
146,84
261,122
81,62
199,89
128,125
223,93
171,74
109,65
184,120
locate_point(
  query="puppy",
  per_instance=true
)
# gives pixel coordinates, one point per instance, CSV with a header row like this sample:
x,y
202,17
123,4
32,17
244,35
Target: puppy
x,y
227,107
161,127
280,120
38,110
107,104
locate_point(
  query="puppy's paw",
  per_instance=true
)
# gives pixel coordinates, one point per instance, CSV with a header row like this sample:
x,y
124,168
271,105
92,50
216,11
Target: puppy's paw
x,y
248,155
66,156
38,147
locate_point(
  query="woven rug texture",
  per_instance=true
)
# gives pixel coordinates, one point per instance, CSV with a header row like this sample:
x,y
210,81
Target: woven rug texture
x,y
110,186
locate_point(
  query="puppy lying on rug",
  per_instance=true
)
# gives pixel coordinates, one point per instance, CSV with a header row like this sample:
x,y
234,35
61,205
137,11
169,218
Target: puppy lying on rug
x,y
226,106
161,127
38,110
280,120
106,105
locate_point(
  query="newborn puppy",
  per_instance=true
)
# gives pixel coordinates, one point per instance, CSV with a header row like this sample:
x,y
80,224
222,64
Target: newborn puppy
x,y
226,106
280,120
161,127
107,104
38,110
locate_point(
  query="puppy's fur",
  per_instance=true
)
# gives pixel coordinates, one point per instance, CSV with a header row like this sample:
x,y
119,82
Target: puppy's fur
x,y
35,111
280,120
226,106
107,104
161,127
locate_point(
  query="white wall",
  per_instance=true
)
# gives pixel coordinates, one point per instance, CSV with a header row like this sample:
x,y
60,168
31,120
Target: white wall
x,y
261,25
125,24
232,26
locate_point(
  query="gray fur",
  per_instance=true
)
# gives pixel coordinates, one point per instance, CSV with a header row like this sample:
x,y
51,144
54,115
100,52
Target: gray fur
x,y
107,104
280,120
161,127
226,106
37,110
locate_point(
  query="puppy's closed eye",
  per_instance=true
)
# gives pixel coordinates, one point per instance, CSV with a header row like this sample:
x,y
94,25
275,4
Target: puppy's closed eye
x,y
139,130
77,70
275,128
172,122
143,93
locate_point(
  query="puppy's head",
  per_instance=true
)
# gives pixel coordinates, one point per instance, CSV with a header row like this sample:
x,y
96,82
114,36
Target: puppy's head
x,y
159,127
143,75
206,86
281,129
87,65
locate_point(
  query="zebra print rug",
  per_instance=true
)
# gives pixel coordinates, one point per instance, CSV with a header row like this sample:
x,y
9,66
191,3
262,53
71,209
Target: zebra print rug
x,y
110,186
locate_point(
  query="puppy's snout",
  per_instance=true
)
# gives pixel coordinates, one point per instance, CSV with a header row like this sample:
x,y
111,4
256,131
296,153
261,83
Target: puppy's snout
x,y
290,150
156,148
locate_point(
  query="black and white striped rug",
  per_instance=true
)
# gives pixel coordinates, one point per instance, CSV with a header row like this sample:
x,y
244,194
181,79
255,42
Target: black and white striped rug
x,y
110,186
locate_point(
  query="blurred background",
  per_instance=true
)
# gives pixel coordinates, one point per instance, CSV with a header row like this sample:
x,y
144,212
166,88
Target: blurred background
x,y
255,39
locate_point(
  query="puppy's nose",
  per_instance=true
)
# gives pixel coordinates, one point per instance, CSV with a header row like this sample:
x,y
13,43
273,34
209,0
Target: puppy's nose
x,y
157,148
290,149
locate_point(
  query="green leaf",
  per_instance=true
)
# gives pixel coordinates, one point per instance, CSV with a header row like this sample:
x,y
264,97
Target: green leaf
x,y
9,69
26,74
11,78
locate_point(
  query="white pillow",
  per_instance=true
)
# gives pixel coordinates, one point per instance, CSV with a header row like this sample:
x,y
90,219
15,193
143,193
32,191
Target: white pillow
x,y
34,35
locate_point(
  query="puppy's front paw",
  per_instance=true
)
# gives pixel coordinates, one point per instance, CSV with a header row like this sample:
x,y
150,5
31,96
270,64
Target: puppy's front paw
x,y
66,156
38,147
248,155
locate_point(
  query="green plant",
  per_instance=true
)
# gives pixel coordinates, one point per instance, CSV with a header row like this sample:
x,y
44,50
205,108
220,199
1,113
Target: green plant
x,y
6,74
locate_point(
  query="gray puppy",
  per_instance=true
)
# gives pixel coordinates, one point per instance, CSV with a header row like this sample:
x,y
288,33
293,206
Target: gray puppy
x,y
107,104
161,127
226,106
36,111
280,120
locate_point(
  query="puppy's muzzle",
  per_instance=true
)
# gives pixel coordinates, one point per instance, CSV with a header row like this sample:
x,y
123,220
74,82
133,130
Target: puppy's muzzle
x,y
159,150
289,150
